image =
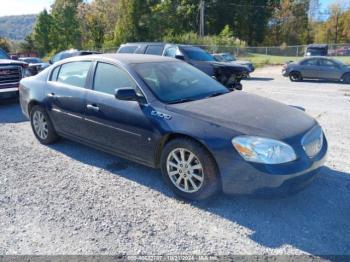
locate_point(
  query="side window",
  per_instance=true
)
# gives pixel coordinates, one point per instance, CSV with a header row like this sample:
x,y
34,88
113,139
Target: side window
x,y
171,52
154,50
74,73
109,77
127,49
54,74
328,63
310,62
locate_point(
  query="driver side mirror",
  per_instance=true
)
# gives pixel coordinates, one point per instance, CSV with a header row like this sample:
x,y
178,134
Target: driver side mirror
x,y
126,94
180,57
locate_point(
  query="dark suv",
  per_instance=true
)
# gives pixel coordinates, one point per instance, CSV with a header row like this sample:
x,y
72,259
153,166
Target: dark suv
x,y
228,74
11,72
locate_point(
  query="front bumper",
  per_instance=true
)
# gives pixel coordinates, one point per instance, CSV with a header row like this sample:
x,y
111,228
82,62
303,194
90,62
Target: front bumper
x,y
244,178
9,91
285,73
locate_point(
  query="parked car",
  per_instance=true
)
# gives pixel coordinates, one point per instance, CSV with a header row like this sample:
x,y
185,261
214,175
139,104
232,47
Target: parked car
x,y
166,114
229,58
70,53
341,51
11,72
317,67
228,75
35,62
316,50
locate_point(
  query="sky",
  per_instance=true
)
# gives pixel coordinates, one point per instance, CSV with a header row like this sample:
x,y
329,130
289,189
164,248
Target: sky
x,y
19,7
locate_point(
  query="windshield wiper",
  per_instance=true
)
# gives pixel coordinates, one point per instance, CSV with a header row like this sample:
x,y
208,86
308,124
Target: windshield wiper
x,y
215,94
183,100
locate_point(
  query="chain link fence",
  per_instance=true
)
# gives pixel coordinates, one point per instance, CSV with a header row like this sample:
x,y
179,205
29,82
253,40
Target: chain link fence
x,y
291,51
271,54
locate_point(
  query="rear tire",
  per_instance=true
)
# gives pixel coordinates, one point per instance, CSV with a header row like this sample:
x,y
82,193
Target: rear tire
x,y
346,78
295,76
189,169
42,126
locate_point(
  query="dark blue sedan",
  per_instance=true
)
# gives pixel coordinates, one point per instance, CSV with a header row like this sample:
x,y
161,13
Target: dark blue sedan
x,y
166,114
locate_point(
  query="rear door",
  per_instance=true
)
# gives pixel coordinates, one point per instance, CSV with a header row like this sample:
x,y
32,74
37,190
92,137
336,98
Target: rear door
x,y
120,126
65,96
309,68
329,69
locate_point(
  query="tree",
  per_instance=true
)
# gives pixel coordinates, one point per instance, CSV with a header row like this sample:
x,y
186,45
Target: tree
x,y
289,23
27,45
97,20
5,45
134,21
41,36
66,28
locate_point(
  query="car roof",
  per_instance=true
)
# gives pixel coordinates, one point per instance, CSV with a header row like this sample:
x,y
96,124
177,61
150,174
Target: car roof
x,y
144,43
318,46
29,57
159,43
317,57
124,58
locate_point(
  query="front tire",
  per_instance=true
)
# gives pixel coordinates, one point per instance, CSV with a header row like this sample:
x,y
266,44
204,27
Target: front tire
x,y
295,76
42,126
189,169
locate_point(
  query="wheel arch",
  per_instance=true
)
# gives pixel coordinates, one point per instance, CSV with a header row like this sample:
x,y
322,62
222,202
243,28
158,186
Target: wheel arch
x,y
344,74
295,71
31,104
171,136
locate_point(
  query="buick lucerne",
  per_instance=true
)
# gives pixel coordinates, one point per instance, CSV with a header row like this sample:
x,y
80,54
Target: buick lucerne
x,y
165,113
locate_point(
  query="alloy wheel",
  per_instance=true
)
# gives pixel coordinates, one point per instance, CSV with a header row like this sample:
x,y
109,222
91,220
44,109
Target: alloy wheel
x,y
185,170
40,125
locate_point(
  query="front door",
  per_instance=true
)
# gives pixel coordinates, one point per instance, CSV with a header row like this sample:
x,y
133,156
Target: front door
x,y
65,96
121,126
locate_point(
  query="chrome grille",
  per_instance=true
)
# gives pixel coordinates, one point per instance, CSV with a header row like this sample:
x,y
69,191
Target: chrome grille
x,y
312,142
10,74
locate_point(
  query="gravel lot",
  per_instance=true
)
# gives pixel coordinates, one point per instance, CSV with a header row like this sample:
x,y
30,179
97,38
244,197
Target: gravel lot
x,y
70,199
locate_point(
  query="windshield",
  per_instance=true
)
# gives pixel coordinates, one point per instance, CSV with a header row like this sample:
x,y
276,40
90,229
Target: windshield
x,y
176,82
315,52
3,55
197,54
228,57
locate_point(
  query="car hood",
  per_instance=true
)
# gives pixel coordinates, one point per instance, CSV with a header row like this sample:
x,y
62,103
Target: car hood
x,y
227,64
248,114
208,67
243,62
11,62
39,64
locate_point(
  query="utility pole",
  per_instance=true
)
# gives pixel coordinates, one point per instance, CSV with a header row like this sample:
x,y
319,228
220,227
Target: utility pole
x,y
201,17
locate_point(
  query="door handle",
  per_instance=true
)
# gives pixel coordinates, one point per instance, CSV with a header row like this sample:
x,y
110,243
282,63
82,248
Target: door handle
x,y
51,95
93,108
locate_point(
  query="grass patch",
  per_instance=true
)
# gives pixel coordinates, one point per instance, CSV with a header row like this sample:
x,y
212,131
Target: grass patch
x,y
261,60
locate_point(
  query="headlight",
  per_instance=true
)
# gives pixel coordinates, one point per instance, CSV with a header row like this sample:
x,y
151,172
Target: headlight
x,y
263,150
26,72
